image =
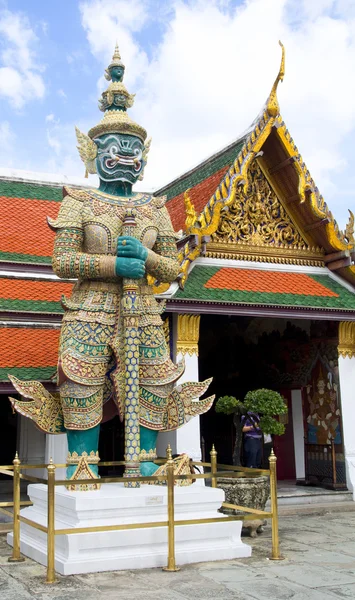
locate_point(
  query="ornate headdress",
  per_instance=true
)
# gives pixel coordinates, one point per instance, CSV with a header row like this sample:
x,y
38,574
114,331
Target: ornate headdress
x,y
116,62
114,102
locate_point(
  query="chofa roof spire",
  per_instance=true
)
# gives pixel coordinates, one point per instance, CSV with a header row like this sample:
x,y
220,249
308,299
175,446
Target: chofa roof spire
x,y
272,105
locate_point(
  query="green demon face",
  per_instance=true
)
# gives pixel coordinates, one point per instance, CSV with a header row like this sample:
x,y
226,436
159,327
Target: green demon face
x,y
116,73
119,157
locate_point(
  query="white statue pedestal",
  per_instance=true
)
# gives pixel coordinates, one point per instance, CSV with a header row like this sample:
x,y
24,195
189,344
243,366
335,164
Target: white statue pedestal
x,y
130,548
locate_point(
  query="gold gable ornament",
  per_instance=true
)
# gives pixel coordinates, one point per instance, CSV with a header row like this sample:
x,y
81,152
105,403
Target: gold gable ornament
x,y
257,217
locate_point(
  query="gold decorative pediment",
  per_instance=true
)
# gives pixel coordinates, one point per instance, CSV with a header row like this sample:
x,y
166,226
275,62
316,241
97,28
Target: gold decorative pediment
x,y
256,226
257,217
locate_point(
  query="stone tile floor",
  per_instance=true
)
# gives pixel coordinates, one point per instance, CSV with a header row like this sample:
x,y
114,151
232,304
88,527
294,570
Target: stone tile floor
x,y
319,565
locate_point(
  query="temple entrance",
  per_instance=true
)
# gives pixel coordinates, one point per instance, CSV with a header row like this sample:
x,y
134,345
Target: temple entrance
x,y
8,431
246,353
8,444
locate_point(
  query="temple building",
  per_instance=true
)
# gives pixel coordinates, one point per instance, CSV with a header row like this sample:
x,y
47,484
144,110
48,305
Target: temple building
x,y
265,298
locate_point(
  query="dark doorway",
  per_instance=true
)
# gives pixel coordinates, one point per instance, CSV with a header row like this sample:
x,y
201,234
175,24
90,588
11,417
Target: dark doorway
x,y
247,353
8,431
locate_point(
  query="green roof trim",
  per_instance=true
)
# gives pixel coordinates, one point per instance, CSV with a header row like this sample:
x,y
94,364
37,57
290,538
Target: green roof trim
x,y
30,191
25,258
195,290
37,306
28,373
203,171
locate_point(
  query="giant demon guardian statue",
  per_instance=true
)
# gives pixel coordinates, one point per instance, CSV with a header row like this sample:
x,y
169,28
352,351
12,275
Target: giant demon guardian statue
x,y
113,357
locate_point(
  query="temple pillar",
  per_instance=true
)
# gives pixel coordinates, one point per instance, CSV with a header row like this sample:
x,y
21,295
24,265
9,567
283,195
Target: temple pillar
x,y
185,335
57,450
347,394
298,433
31,445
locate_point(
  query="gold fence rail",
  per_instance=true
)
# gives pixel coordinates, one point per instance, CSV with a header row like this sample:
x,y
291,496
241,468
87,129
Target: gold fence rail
x,y
229,471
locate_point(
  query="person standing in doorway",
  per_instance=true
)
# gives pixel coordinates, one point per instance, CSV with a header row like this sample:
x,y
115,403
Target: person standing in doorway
x,y
252,444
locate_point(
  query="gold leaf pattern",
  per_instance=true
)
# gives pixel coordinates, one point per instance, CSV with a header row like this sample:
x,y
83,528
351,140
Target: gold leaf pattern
x,y
257,217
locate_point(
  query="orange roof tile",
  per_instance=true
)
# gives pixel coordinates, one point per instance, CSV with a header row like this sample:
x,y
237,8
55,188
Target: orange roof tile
x,y
28,347
255,280
199,195
26,289
23,225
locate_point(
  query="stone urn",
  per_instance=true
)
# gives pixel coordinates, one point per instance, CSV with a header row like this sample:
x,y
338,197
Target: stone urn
x,y
251,492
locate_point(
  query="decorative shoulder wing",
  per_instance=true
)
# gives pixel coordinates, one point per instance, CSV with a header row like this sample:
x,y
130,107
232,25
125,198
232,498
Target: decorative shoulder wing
x,y
38,405
145,156
87,150
70,213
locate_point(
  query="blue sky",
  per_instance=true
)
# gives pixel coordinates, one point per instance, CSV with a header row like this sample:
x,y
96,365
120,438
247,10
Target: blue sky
x,y
201,71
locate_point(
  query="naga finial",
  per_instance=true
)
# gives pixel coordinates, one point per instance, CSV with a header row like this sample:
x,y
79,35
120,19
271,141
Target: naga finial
x,y
349,230
191,214
272,105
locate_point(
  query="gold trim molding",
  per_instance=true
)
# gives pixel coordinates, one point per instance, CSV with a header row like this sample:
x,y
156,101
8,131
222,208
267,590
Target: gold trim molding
x,y
282,255
346,346
188,331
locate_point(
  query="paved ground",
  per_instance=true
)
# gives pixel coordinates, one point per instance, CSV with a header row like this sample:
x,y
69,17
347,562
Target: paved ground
x,y
320,565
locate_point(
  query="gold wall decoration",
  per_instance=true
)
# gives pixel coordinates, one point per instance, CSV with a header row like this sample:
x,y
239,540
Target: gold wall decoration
x,y
166,329
346,346
257,216
188,331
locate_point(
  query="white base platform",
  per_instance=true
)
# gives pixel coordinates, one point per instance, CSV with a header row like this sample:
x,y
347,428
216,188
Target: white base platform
x,y
131,548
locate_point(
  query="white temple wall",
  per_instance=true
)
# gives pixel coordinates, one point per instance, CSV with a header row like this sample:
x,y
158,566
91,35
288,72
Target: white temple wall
x,y
186,439
347,394
57,450
298,432
31,445
346,365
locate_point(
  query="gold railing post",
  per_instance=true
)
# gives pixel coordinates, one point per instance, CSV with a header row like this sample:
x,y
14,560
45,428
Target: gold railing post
x,y
213,455
334,463
16,556
171,566
51,523
275,554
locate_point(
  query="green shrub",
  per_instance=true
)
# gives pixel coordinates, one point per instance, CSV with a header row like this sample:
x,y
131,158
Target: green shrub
x,y
228,405
265,402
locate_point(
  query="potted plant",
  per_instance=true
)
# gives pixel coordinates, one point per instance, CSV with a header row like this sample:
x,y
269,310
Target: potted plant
x,y
251,492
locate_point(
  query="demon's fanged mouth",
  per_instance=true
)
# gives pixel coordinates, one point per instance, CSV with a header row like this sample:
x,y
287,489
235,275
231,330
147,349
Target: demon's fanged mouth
x,y
119,159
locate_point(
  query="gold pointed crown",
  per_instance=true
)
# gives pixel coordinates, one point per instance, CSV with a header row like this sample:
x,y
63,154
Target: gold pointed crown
x,y
115,62
115,101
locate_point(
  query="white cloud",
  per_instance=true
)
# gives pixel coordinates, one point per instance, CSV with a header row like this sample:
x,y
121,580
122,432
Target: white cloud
x,y
63,156
51,119
61,93
20,72
7,144
212,69
108,21
5,133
